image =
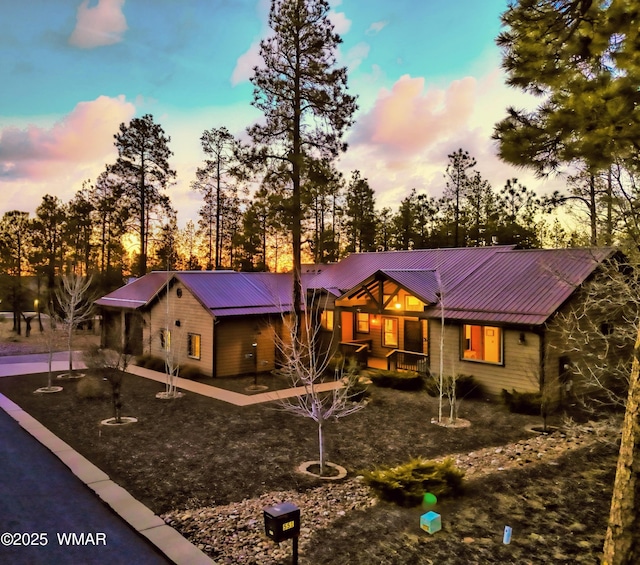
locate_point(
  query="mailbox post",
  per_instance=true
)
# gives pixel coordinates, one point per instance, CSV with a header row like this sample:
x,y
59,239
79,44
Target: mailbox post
x,y
282,522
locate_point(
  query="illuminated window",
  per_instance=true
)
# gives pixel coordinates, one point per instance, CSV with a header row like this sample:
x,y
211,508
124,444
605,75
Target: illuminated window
x,y
165,339
193,346
326,319
482,343
390,332
413,303
363,322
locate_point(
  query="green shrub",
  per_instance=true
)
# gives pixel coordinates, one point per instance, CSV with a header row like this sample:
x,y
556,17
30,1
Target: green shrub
x,y
92,387
406,484
466,386
190,372
522,402
400,380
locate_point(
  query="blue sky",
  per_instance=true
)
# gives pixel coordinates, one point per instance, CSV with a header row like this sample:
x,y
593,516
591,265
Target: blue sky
x,y
426,75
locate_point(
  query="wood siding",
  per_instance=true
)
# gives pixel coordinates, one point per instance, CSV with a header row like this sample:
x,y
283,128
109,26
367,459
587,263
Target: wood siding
x,y
234,347
519,369
193,318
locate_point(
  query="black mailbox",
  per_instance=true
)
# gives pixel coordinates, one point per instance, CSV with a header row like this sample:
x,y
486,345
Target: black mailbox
x,y
282,521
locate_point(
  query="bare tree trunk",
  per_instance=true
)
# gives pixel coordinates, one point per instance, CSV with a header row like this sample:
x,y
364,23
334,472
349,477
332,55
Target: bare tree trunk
x,y
622,542
321,446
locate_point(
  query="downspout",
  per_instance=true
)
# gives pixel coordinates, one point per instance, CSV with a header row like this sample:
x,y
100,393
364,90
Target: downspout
x,y
214,363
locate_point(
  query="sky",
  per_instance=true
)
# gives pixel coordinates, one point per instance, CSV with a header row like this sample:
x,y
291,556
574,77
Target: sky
x,y
426,75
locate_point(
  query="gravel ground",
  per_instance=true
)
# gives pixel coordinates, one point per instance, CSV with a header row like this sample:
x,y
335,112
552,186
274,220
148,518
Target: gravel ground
x,y
235,533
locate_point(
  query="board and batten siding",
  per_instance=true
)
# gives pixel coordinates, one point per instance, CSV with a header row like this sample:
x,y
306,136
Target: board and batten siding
x,y
519,370
193,318
234,346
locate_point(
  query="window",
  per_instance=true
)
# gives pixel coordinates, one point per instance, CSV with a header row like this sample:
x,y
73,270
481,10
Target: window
x,y
326,320
362,320
390,332
193,346
413,303
482,343
165,339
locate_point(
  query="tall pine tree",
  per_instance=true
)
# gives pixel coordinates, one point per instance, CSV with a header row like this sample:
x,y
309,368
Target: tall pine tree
x,y
303,96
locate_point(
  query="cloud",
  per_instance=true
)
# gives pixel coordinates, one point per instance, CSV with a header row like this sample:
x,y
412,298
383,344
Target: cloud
x,y
245,64
341,23
408,119
405,134
376,27
354,57
81,138
102,24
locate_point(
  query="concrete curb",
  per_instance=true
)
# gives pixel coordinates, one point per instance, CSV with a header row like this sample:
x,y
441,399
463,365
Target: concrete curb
x,y
132,511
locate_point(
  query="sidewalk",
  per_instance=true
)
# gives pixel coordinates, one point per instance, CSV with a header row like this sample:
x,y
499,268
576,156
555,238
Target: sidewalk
x,y
30,364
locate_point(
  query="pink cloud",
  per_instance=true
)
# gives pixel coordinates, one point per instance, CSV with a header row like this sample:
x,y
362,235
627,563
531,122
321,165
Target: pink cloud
x,y
82,137
245,64
408,119
103,24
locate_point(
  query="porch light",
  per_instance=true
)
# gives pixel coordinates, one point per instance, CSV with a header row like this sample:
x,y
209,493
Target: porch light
x,y
375,320
522,339
398,305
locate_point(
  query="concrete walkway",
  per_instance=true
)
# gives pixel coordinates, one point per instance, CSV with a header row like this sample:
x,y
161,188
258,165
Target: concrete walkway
x,y
30,364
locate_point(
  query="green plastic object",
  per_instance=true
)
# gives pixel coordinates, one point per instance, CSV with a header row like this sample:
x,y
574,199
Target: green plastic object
x,y
429,499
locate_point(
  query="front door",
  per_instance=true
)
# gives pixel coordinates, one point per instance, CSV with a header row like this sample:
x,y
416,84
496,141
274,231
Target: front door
x,y
413,336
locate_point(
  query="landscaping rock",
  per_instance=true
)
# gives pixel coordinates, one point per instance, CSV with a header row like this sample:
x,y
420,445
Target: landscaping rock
x,y
235,533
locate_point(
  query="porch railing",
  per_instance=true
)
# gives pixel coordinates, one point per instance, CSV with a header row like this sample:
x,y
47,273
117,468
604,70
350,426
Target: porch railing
x,y
356,349
401,360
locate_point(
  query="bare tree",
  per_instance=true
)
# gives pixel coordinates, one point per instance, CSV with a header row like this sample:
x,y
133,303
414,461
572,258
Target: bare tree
x,y
171,352
597,335
52,339
75,306
112,365
305,364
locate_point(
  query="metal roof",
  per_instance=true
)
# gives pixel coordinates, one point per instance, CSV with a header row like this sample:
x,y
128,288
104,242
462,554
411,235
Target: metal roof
x,y
521,286
137,293
453,264
498,284
228,290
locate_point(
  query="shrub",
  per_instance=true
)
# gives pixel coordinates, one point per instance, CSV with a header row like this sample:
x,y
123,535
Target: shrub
x,y
406,484
92,387
466,386
190,372
152,363
522,402
399,380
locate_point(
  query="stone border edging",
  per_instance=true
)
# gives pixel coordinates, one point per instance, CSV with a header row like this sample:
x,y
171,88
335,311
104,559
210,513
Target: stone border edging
x,y
342,472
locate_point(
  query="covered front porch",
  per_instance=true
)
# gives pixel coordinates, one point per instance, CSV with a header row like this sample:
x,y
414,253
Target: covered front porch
x,y
382,323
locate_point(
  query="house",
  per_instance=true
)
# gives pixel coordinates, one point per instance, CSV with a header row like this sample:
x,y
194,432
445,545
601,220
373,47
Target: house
x,y
479,311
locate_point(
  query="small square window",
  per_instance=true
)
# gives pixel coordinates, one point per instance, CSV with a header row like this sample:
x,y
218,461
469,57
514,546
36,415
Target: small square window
x,y
326,320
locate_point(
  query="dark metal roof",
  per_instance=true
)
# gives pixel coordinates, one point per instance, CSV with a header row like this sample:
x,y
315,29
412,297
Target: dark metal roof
x,y
137,293
487,284
423,283
229,290
521,286
453,265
